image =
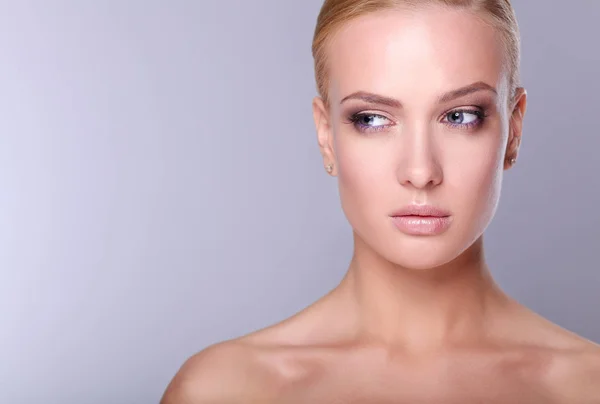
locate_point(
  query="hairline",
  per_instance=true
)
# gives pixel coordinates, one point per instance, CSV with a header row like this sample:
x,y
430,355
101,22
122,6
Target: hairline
x,y
411,5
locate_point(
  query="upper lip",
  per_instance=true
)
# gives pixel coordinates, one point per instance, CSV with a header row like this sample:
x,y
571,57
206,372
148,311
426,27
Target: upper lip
x,y
421,210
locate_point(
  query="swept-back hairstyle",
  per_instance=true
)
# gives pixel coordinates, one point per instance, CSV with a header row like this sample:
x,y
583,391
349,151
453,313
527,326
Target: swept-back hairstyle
x,y
334,13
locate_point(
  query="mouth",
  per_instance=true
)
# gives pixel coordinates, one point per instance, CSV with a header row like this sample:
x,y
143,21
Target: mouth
x,y
422,220
422,211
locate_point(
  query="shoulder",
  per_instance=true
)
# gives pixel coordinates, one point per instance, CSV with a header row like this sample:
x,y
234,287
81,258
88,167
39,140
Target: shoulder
x,y
226,372
576,375
256,368
568,364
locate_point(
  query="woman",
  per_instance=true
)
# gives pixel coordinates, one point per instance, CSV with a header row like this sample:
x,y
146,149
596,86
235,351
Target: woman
x,y
420,112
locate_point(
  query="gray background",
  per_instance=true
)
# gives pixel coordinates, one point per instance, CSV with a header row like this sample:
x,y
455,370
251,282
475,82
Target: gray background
x,y
162,189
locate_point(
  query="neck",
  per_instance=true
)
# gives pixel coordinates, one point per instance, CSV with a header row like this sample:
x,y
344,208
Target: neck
x,y
421,310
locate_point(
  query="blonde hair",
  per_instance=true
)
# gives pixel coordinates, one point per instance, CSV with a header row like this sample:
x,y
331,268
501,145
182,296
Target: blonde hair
x,y
334,13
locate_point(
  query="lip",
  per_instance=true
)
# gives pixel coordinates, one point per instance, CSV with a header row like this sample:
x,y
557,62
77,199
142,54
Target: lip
x,y
421,210
421,220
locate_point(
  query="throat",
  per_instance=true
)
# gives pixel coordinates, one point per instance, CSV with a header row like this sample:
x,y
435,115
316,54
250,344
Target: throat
x,y
421,312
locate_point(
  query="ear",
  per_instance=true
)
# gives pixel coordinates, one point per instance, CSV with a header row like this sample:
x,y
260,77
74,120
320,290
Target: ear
x,y
515,132
324,133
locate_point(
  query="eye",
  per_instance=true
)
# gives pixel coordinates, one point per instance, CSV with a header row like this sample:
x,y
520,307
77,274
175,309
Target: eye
x,y
366,122
464,118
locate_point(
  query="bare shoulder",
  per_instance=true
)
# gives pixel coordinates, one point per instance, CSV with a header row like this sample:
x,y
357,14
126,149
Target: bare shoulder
x,y
570,362
254,368
576,375
226,372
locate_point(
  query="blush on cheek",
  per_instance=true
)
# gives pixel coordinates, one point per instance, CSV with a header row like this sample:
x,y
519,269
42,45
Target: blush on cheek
x,y
352,166
358,190
352,184
487,185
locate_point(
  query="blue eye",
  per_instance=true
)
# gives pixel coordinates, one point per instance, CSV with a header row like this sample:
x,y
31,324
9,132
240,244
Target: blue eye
x,y
459,118
366,122
464,118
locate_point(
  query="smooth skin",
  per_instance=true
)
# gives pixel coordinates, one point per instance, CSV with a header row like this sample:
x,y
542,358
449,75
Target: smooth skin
x,y
416,319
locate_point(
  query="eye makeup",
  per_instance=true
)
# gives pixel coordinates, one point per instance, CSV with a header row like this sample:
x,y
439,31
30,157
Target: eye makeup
x,y
465,118
461,118
362,122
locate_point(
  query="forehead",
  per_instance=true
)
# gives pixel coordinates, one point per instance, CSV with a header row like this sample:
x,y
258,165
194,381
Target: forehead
x,y
417,53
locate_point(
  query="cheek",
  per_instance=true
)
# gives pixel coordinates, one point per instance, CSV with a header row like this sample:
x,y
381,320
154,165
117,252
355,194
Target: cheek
x,y
481,171
362,173
477,181
355,175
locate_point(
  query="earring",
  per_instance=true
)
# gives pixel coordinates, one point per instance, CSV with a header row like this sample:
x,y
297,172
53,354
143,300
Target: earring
x,y
513,160
329,168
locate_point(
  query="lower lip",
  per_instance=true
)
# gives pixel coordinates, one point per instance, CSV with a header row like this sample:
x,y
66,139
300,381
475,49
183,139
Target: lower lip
x,y
422,225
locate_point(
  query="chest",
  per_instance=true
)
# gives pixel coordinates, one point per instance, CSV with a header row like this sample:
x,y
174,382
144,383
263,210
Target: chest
x,y
445,386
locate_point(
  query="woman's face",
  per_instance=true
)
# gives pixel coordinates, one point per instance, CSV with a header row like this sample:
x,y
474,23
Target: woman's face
x,y
419,115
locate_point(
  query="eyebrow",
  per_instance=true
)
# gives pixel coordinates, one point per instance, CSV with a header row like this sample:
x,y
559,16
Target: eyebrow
x,y
372,98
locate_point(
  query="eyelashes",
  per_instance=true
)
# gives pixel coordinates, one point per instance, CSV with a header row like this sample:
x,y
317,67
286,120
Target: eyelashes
x,y
358,121
461,115
461,118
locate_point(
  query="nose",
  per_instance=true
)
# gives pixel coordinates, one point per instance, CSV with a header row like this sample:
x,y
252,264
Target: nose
x,y
419,164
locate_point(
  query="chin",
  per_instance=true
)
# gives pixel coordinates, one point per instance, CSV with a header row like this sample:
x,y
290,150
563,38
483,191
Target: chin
x,y
421,263
422,254
418,253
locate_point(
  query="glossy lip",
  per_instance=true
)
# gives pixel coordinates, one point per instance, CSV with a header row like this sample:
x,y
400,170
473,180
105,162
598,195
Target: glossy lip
x,y
421,220
421,210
